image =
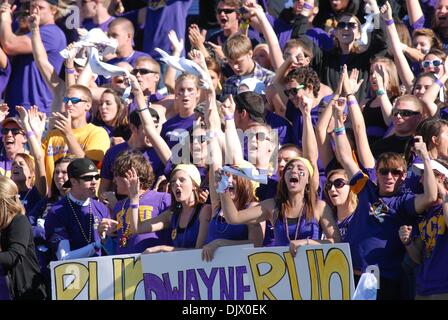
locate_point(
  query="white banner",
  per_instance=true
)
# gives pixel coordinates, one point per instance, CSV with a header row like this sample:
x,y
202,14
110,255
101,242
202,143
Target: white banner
x,y
320,272
101,278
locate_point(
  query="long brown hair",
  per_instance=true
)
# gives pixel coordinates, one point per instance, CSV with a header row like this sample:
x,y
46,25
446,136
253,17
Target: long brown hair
x,y
10,204
352,197
244,191
282,199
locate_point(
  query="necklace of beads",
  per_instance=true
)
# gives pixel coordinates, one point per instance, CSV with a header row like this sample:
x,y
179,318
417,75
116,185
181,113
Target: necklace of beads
x,y
125,232
89,239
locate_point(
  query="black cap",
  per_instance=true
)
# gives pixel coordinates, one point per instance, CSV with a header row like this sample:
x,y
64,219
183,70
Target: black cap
x,y
78,167
134,117
253,103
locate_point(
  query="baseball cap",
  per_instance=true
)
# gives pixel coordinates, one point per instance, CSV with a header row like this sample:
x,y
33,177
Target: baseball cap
x,y
192,171
12,119
253,103
77,168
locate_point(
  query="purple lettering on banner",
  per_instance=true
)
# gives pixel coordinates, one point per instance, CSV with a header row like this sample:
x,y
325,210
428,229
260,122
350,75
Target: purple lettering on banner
x,y
226,293
153,284
240,287
208,281
162,288
191,285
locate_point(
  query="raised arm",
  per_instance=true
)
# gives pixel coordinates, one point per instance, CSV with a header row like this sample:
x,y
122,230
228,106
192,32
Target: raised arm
x,y
386,106
404,70
162,149
309,143
432,93
158,223
351,86
341,141
40,56
413,246
233,150
268,33
34,141
429,196
415,12
12,44
170,73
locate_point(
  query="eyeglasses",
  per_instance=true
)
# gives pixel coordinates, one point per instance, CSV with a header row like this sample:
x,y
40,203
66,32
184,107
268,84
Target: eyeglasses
x,y
404,113
338,183
15,131
293,91
226,11
429,63
395,172
74,100
90,178
347,25
142,71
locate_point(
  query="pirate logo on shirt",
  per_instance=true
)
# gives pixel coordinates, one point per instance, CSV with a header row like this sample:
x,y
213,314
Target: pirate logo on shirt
x,y
379,210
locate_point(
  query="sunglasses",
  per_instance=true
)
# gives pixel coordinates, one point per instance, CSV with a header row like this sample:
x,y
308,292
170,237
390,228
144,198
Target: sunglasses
x,y
338,184
226,11
200,138
393,171
347,25
405,113
74,100
90,178
14,131
293,91
429,63
142,71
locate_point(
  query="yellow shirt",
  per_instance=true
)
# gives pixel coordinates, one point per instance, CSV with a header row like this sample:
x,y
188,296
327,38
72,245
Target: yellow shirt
x,y
94,141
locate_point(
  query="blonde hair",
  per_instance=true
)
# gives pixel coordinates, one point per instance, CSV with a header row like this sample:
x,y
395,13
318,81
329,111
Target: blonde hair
x,y
393,88
10,204
236,46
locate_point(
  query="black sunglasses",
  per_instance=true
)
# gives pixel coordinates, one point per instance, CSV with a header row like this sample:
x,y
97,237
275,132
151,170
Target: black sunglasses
x,y
226,11
338,184
293,91
142,71
404,113
394,171
90,178
15,131
347,25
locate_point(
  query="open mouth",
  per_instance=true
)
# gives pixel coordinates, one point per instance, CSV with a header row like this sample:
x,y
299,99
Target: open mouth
x,y
178,193
294,180
223,21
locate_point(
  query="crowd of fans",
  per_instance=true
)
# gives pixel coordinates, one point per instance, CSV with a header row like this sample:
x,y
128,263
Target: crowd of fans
x,y
311,122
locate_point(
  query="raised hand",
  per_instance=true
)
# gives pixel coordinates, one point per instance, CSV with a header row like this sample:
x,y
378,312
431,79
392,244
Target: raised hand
x,y
198,57
36,120
305,103
405,234
176,44
379,75
63,123
23,114
196,36
228,106
351,84
217,48
386,11
4,111
107,226
132,183
339,107
420,147
34,18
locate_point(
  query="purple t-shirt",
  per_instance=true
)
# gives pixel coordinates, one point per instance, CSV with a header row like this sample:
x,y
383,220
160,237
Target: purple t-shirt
x,y
373,230
152,204
432,276
161,17
283,127
74,223
90,24
112,154
174,127
26,86
4,77
305,229
5,165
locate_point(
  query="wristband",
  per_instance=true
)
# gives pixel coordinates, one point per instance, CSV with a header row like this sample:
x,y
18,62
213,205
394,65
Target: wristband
x,y
380,92
390,22
134,206
341,129
306,5
229,117
141,110
439,83
30,134
70,71
340,133
351,103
